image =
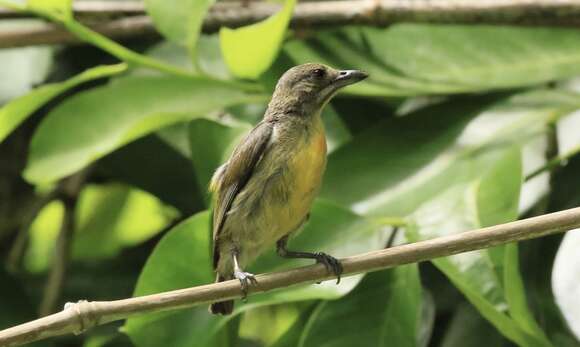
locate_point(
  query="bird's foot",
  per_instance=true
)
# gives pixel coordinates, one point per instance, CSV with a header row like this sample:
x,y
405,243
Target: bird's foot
x,y
246,279
331,263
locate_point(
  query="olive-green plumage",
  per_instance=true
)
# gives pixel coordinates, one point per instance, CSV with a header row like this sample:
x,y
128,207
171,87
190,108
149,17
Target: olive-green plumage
x,y
264,192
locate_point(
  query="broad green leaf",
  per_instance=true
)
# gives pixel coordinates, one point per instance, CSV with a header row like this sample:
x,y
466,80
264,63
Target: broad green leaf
x,y
109,117
351,51
61,9
384,309
108,218
416,59
180,21
399,163
478,57
114,216
496,189
182,259
473,273
17,110
515,294
250,50
42,236
495,205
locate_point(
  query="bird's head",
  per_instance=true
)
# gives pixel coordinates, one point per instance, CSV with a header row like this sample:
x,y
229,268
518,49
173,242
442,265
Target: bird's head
x,y
307,88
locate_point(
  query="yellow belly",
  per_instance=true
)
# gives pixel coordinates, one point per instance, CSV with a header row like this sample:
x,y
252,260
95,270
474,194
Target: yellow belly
x,y
258,220
307,167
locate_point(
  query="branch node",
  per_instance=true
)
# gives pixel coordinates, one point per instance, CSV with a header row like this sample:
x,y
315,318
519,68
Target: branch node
x,y
86,314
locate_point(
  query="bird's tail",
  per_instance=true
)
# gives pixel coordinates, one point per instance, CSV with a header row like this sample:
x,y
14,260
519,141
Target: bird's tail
x,y
222,307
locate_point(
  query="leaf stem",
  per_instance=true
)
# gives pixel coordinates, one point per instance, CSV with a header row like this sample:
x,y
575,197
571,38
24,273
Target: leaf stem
x,y
555,162
90,36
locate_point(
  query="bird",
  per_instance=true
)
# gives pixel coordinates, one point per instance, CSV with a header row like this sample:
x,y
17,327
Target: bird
x,y
264,192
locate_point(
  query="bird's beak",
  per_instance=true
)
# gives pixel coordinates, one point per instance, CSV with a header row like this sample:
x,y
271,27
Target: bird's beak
x,y
347,77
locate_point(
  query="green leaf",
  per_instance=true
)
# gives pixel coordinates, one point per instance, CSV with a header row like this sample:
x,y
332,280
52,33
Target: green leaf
x,y
179,21
250,50
515,294
114,216
182,259
109,117
495,205
478,57
417,59
42,235
498,190
108,218
384,309
496,177
61,9
428,151
16,111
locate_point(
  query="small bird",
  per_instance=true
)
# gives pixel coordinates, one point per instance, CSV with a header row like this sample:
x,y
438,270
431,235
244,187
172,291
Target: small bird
x,y
264,192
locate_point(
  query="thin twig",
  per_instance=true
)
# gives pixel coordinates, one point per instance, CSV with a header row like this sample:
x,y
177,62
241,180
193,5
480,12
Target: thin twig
x,y
555,162
84,315
103,16
392,237
16,254
69,191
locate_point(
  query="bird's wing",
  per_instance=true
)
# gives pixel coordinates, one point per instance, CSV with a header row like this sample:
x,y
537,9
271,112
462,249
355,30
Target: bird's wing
x,y
231,177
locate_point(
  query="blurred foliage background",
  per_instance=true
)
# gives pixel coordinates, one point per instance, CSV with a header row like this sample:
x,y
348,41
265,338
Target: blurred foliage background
x,y
106,151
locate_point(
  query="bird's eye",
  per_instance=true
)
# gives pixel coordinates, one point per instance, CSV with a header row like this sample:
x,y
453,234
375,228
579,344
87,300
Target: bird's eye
x,y
318,73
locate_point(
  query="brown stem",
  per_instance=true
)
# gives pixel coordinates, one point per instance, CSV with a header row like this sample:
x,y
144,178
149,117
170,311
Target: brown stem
x,y
69,191
56,279
103,16
16,254
84,315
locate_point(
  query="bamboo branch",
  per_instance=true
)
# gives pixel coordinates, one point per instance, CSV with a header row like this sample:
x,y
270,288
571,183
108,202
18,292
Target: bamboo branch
x,y
102,16
76,318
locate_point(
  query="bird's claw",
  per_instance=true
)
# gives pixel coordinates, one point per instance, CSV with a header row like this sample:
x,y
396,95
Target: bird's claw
x,y
331,263
246,279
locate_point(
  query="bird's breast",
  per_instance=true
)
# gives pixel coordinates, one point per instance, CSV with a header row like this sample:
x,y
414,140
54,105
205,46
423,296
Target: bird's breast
x,y
305,169
307,165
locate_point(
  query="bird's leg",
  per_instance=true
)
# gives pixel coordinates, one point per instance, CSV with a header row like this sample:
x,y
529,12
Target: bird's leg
x,y
331,263
245,278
